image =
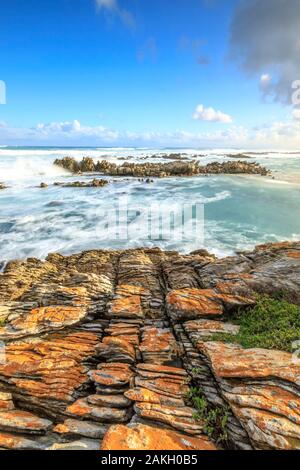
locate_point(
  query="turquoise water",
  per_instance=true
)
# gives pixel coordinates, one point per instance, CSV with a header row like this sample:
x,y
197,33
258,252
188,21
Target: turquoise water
x,y
239,211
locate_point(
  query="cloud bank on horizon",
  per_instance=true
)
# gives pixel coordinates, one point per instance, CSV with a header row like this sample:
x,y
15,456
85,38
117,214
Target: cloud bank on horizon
x,y
277,135
243,72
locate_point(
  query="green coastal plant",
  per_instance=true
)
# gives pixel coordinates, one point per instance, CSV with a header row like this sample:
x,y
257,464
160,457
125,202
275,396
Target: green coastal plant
x,y
271,324
215,419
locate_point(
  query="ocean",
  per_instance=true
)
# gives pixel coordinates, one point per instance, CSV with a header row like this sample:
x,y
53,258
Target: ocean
x,y
237,212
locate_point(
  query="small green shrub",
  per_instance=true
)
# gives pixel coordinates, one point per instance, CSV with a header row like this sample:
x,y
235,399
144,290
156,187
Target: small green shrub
x,y
215,419
271,324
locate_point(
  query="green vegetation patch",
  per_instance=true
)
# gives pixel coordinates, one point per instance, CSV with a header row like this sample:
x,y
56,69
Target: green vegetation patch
x,y
215,419
271,324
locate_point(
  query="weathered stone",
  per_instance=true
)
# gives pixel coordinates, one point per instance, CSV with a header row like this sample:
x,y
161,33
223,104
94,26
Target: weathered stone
x,y
83,410
263,390
74,427
80,444
128,303
181,419
95,183
49,371
175,168
13,442
232,361
199,330
41,320
147,396
112,375
115,401
191,304
6,402
23,422
158,345
141,437
115,349
108,343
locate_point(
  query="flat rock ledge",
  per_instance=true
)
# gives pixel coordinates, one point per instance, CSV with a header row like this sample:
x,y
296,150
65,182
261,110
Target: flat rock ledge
x,y
99,351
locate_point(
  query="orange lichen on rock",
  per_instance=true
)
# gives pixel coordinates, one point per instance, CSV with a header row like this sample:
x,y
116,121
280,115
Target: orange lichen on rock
x,y
293,254
127,303
193,303
142,437
230,361
112,374
50,369
43,319
158,345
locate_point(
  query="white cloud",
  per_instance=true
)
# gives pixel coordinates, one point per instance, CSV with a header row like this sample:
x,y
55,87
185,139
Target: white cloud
x,y
113,8
210,114
296,113
277,135
265,84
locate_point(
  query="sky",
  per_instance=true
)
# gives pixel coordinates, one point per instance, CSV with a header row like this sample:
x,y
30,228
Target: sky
x,y
150,73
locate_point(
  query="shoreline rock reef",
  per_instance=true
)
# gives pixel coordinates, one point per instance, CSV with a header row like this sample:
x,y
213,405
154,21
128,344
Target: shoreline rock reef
x,y
160,170
108,349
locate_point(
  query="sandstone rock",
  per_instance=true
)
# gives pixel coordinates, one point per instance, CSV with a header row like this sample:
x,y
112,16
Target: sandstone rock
x,y
83,410
199,330
80,444
141,437
158,345
42,320
116,401
263,389
128,303
23,422
6,402
99,343
181,419
232,361
115,349
48,373
74,427
13,442
143,395
112,375
191,304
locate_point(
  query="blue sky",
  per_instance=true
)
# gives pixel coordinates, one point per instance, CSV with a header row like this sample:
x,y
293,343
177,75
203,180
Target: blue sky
x,y
144,72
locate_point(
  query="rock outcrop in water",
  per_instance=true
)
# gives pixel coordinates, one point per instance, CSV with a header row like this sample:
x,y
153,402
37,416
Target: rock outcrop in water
x,y
100,349
95,183
174,168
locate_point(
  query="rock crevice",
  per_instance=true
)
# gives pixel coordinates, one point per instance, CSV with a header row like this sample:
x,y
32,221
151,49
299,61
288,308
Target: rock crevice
x,y
101,349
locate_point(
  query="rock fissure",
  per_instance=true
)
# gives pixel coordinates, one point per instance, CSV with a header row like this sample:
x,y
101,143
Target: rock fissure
x,y
102,349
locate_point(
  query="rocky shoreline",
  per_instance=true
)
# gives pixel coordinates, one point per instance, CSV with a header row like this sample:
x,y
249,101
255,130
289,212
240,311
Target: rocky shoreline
x,y
105,349
160,170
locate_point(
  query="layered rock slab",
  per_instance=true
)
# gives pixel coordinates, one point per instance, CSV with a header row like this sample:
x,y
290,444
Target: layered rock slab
x,y
142,437
263,390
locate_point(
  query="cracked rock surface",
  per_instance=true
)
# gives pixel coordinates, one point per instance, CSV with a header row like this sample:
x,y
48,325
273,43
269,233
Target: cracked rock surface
x,y
101,348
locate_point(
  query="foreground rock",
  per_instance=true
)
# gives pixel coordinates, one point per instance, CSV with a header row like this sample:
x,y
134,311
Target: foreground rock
x,y
141,437
106,345
174,168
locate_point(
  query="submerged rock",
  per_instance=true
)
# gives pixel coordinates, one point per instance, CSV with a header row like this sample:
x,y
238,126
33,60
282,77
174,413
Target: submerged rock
x,y
95,183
